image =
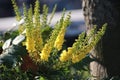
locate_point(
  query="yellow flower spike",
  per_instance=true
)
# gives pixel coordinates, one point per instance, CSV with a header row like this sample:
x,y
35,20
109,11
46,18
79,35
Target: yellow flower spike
x,y
70,50
37,34
30,46
44,57
60,39
66,55
45,53
16,10
76,58
39,43
63,56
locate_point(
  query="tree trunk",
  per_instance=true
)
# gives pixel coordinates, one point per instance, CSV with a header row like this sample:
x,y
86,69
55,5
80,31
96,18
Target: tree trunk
x,y
107,52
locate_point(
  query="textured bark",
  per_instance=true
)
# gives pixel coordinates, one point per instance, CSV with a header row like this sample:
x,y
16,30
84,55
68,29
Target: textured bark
x,y
107,52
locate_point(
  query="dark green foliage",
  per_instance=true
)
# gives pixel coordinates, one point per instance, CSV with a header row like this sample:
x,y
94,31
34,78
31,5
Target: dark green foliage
x,y
10,34
14,74
45,33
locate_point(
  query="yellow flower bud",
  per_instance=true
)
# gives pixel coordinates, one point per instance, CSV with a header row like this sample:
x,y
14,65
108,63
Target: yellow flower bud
x,y
64,56
30,46
45,53
44,57
76,58
60,39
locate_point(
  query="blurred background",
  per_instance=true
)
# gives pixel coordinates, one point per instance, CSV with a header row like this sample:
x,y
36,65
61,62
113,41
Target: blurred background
x,y
75,6
6,8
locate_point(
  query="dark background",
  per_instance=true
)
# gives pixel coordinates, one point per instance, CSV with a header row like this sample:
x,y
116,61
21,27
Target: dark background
x,y
6,8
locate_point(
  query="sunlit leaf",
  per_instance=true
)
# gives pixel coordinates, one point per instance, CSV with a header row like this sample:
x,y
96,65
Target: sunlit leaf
x,y
18,39
6,44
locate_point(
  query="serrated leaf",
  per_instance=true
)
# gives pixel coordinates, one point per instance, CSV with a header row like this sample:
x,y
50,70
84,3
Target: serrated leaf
x,y
18,39
6,44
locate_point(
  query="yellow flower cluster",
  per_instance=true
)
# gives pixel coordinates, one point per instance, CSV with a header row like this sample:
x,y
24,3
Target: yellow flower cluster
x,y
90,45
74,54
30,46
37,14
60,39
77,58
38,39
71,54
41,51
80,55
78,51
45,53
56,39
34,41
46,50
39,44
66,55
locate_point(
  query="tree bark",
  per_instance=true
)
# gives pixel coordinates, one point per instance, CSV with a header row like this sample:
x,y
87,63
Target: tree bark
x,y
107,52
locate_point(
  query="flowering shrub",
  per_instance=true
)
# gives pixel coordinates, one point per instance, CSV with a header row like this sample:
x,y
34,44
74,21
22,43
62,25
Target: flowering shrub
x,y
44,44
